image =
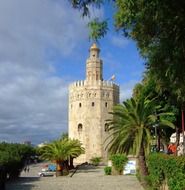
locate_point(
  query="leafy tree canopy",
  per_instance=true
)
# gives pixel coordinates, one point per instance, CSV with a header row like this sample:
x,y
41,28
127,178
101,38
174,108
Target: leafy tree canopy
x,y
13,158
163,102
14,153
151,89
61,150
98,28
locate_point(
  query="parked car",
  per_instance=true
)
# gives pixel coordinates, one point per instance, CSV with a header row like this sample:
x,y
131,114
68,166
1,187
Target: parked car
x,y
46,173
48,170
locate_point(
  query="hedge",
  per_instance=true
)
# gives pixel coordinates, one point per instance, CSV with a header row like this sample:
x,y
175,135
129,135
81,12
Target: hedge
x,y
168,169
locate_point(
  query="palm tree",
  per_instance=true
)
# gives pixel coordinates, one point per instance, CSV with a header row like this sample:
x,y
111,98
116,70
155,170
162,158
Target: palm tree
x,y
60,151
131,126
76,146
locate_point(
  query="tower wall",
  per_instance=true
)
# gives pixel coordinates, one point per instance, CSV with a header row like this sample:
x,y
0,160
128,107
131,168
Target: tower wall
x,y
90,102
89,107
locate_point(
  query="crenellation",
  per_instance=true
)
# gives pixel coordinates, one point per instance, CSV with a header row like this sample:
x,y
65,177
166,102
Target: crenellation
x,y
84,83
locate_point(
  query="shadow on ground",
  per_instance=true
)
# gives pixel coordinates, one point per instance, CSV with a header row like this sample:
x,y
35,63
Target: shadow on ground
x,y
23,183
85,169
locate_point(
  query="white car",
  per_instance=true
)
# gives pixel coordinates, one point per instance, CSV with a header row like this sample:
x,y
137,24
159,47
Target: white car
x,y
46,173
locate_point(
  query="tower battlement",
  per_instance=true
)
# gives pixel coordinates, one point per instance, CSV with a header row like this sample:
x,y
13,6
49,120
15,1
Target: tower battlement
x,y
85,83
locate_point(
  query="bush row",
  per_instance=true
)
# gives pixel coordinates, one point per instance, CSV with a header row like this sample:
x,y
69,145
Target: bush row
x,y
167,169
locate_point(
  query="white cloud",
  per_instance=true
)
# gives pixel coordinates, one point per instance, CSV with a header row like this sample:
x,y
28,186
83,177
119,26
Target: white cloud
x,y
33,102
33,108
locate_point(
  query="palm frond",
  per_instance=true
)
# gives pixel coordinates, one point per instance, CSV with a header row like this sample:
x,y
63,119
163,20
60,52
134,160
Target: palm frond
x,y
131,125
166,123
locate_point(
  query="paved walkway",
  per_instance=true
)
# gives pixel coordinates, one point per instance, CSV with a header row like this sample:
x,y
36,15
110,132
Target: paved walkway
x,y
83,179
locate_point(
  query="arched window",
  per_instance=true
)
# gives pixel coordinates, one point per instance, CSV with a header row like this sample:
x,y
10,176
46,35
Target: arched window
x,y
92,104
106,104
80,105
80,126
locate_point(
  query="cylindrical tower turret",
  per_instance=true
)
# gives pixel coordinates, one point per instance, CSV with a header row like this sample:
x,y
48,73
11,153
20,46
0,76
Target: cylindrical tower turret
x,y
94,65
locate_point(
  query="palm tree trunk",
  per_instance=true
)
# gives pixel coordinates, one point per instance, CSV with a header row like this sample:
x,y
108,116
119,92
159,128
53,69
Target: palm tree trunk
x,y
65,170
142,163
71,166
59,169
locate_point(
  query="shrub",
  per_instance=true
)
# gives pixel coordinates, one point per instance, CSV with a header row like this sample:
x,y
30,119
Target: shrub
x,y
96,160
166,168
107,170
118,162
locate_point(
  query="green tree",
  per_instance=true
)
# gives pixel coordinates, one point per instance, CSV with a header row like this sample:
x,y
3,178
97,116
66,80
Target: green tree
x,y
13,158
97,28
131,129
60,152
151,89
158,28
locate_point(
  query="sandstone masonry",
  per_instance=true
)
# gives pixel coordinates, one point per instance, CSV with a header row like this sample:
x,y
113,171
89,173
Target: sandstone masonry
x,y
90,102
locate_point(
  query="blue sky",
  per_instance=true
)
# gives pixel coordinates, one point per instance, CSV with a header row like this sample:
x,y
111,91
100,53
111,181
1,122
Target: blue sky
x,y
44,47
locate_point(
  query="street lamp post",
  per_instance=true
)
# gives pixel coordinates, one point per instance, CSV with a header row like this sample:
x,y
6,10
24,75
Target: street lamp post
x,y
156,135
156,139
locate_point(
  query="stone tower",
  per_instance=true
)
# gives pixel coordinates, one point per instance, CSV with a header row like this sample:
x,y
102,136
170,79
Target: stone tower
x,y
90,102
